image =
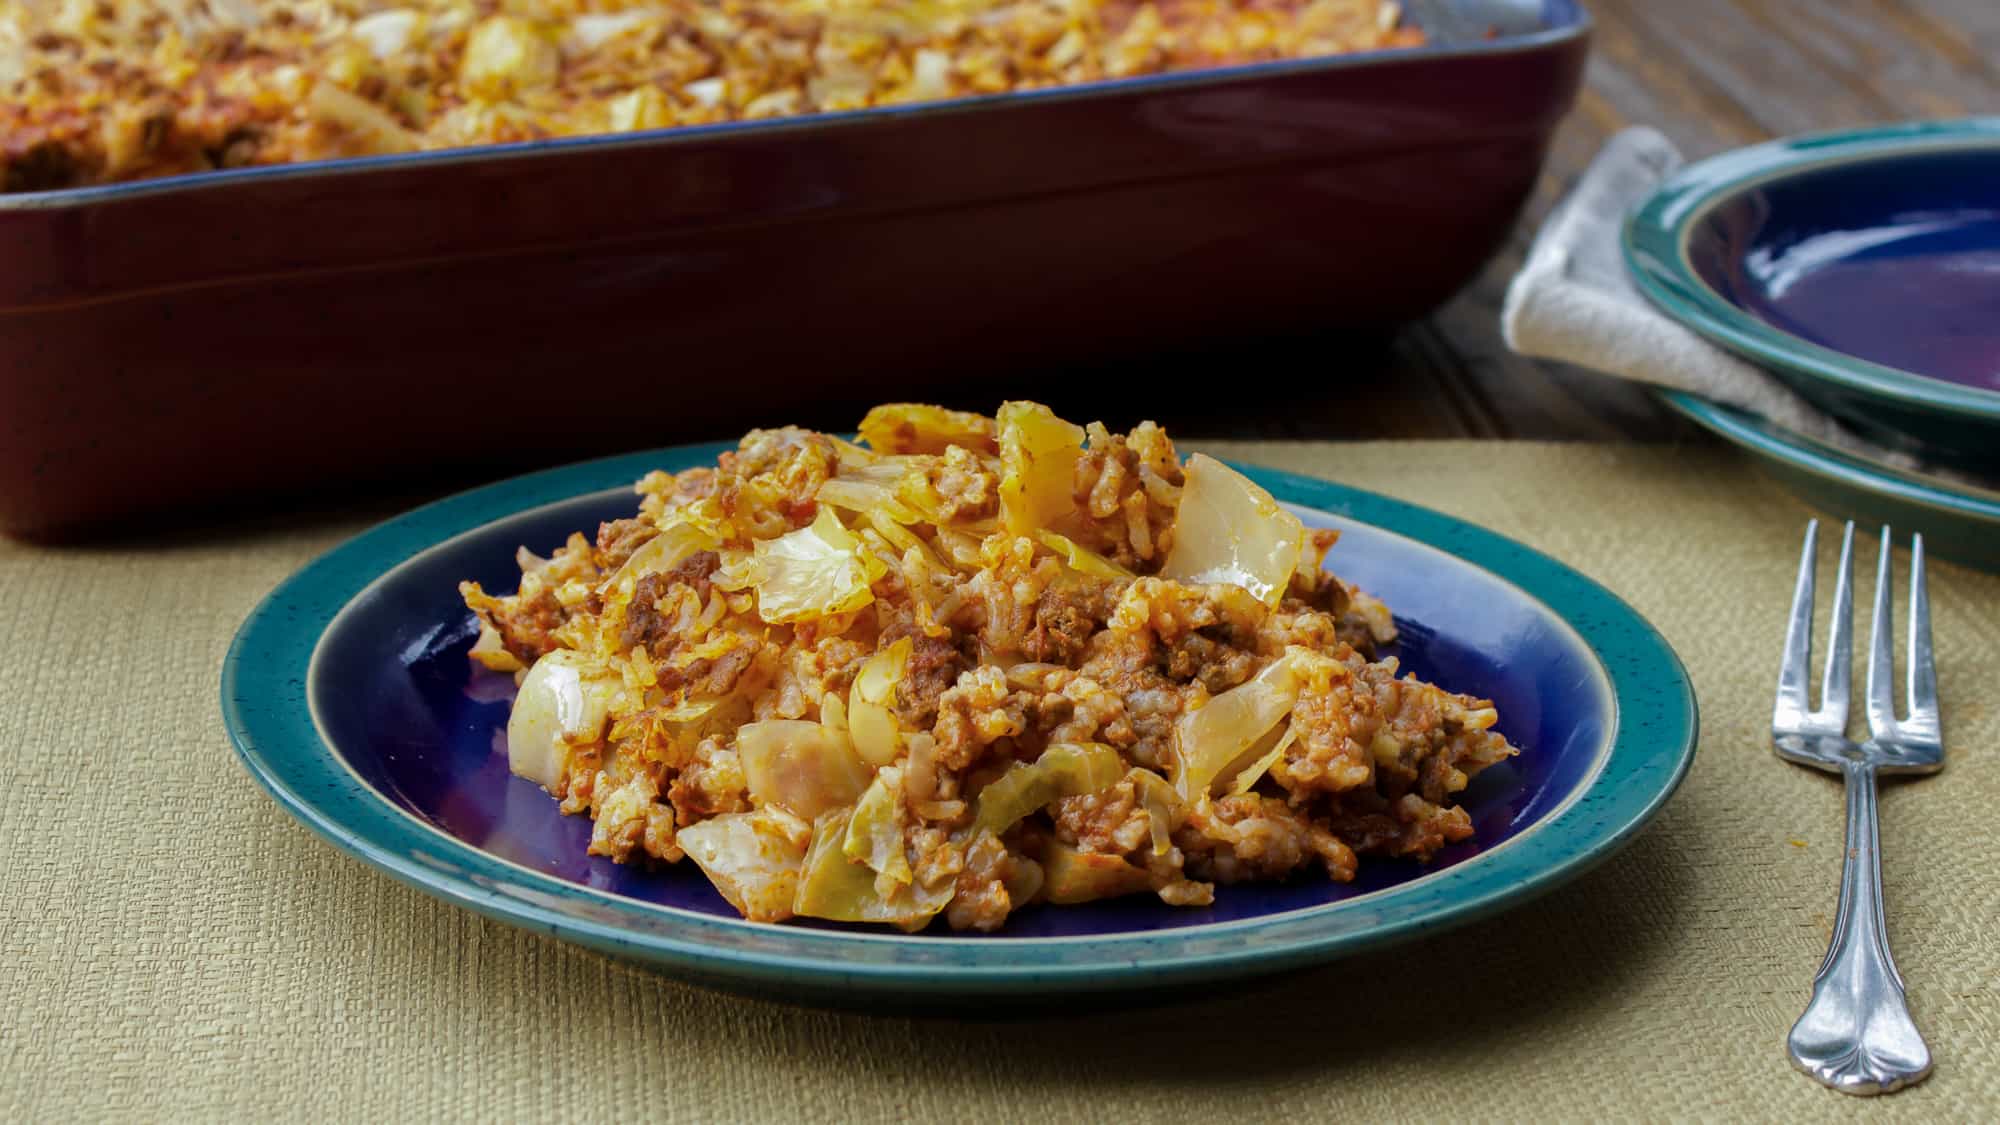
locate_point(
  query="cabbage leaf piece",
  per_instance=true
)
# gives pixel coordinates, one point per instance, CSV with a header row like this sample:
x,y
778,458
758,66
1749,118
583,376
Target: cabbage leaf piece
x,y
817,571
875,832
1229,530
1071,876
840,889
909,427
1252,773
753,858
1214,741
563,700
1064,770
804,767
1038,456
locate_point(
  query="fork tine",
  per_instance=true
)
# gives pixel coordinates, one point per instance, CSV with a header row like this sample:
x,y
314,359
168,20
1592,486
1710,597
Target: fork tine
x,y
1881,648
1923,701
1840,646
1795,670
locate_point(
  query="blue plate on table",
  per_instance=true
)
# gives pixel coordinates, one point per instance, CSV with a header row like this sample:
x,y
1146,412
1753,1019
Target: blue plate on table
x,y
350,698
1861,267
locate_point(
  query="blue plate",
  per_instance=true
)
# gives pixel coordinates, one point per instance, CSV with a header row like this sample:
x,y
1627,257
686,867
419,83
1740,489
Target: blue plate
x,y
349,697
1861,267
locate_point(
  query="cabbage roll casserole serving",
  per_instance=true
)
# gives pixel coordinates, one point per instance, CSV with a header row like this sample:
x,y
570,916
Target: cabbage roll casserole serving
x,y
970,664
98,91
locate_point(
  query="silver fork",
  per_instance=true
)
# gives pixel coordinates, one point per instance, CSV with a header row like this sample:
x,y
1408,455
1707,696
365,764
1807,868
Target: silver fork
x,y
1856,1034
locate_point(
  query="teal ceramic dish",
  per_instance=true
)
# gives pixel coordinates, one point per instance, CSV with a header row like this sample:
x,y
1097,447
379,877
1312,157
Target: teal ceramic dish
x,y
350,699
1958,523
1861,267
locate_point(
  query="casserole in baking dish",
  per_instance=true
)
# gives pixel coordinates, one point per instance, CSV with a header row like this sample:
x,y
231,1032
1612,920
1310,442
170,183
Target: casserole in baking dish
x,y
271,329
98,91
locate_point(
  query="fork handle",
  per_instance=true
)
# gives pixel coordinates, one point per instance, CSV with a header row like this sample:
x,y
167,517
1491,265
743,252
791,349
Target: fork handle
x,y
1856,1034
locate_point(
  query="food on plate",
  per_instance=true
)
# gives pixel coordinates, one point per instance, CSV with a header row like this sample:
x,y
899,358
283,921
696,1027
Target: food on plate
x,y
98,91
970,664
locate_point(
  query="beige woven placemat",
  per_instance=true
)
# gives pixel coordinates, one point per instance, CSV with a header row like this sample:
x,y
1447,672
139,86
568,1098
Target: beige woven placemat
x,y
175,946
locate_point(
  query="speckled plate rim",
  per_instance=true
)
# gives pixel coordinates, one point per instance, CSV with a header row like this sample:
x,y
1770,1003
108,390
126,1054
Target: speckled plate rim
x,y
264,693
1656,236
1775,443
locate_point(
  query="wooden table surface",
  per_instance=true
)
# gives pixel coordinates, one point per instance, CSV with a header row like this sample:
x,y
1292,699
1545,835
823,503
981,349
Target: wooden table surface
x,y
1712,75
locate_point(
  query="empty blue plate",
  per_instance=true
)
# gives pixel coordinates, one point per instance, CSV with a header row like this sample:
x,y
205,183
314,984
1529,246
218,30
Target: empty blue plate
x,y
1862,267
350,698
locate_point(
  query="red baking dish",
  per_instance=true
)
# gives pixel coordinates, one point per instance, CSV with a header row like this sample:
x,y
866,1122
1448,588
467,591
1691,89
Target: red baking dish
x,y
270,331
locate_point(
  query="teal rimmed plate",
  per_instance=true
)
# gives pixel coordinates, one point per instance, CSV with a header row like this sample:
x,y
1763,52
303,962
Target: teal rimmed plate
x,y
350,699
1958,522
1861,267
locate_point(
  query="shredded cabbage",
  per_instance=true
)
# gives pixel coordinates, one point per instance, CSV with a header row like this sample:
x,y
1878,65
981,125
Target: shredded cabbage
x,y
804,766
880,509
1229,530
851,457
1038,456
816,571
1214,741
1081,559
864,497
1164,810
890,470
753,858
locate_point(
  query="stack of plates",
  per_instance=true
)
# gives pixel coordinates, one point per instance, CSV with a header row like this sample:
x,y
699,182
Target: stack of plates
x,y
1863,269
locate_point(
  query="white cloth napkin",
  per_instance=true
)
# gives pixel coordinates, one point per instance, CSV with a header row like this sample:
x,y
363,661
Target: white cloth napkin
x,y
1574,301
